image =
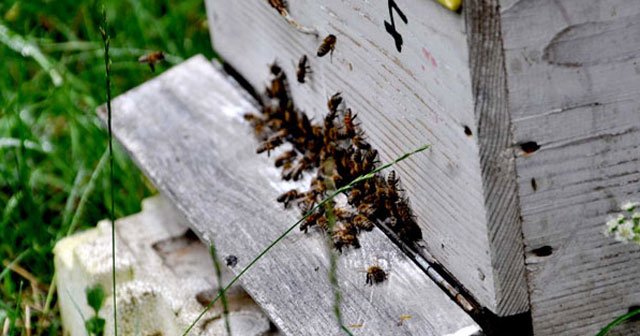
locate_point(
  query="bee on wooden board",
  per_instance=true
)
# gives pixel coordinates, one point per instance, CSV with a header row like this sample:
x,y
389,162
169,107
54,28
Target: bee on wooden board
x,y
327,46
313,219
360,142
343,237
289,196
350,127
303,69
362,222
152,59
333,103
287,156
375,275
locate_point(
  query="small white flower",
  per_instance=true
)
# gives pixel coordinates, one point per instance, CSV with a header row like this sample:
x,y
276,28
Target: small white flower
x,y
611,226
635,216
624,232
621,218
629,206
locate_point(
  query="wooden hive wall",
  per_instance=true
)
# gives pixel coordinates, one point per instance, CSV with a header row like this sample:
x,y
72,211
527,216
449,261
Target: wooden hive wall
x,y
574,83
422,94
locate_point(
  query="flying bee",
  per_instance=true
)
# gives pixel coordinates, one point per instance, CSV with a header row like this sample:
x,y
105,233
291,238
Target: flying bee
x,y
375,275
287,156
362,222
289,196
334,102
152,59
327,46
343,237
303,69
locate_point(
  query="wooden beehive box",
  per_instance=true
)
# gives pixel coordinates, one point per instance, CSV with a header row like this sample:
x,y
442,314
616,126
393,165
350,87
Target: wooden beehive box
x,y
482,85
532,109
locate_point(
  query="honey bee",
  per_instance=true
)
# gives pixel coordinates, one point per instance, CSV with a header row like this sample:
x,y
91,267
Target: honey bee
x,y
327,46
360,143
375,275
289,196
369,160
366,209
362,222
303,69
267,146
287,156
311,220
406,227
333,103
275,69
318,185
287,171
272,142
343,237
354,196
350,127
392,180
342,213
279,89
299,167
152,59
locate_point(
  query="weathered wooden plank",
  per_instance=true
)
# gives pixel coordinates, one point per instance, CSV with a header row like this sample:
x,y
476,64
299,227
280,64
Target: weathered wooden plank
x,y
574,76
185,131
462,195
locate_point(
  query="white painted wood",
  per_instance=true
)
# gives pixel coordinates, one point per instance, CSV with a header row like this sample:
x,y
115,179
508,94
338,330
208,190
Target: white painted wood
x,y
463,194
184,129
574,83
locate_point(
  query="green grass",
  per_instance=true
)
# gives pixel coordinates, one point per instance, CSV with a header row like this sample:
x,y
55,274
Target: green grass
x,y
53,176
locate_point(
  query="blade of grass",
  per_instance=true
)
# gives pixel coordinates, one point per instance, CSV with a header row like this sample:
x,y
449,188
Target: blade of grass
x,y
18,44
333,268
285,233
15,261
618,321
107,64
223,296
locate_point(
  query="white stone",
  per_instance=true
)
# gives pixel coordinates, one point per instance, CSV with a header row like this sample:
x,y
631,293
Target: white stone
x,y
159,270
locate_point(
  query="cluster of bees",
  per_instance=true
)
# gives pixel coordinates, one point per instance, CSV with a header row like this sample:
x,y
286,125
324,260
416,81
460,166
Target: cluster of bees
x,y
336,151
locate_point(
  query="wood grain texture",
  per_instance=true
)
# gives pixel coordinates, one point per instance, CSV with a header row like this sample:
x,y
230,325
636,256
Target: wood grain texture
x,y
185,130
574,78
422,94
496,153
